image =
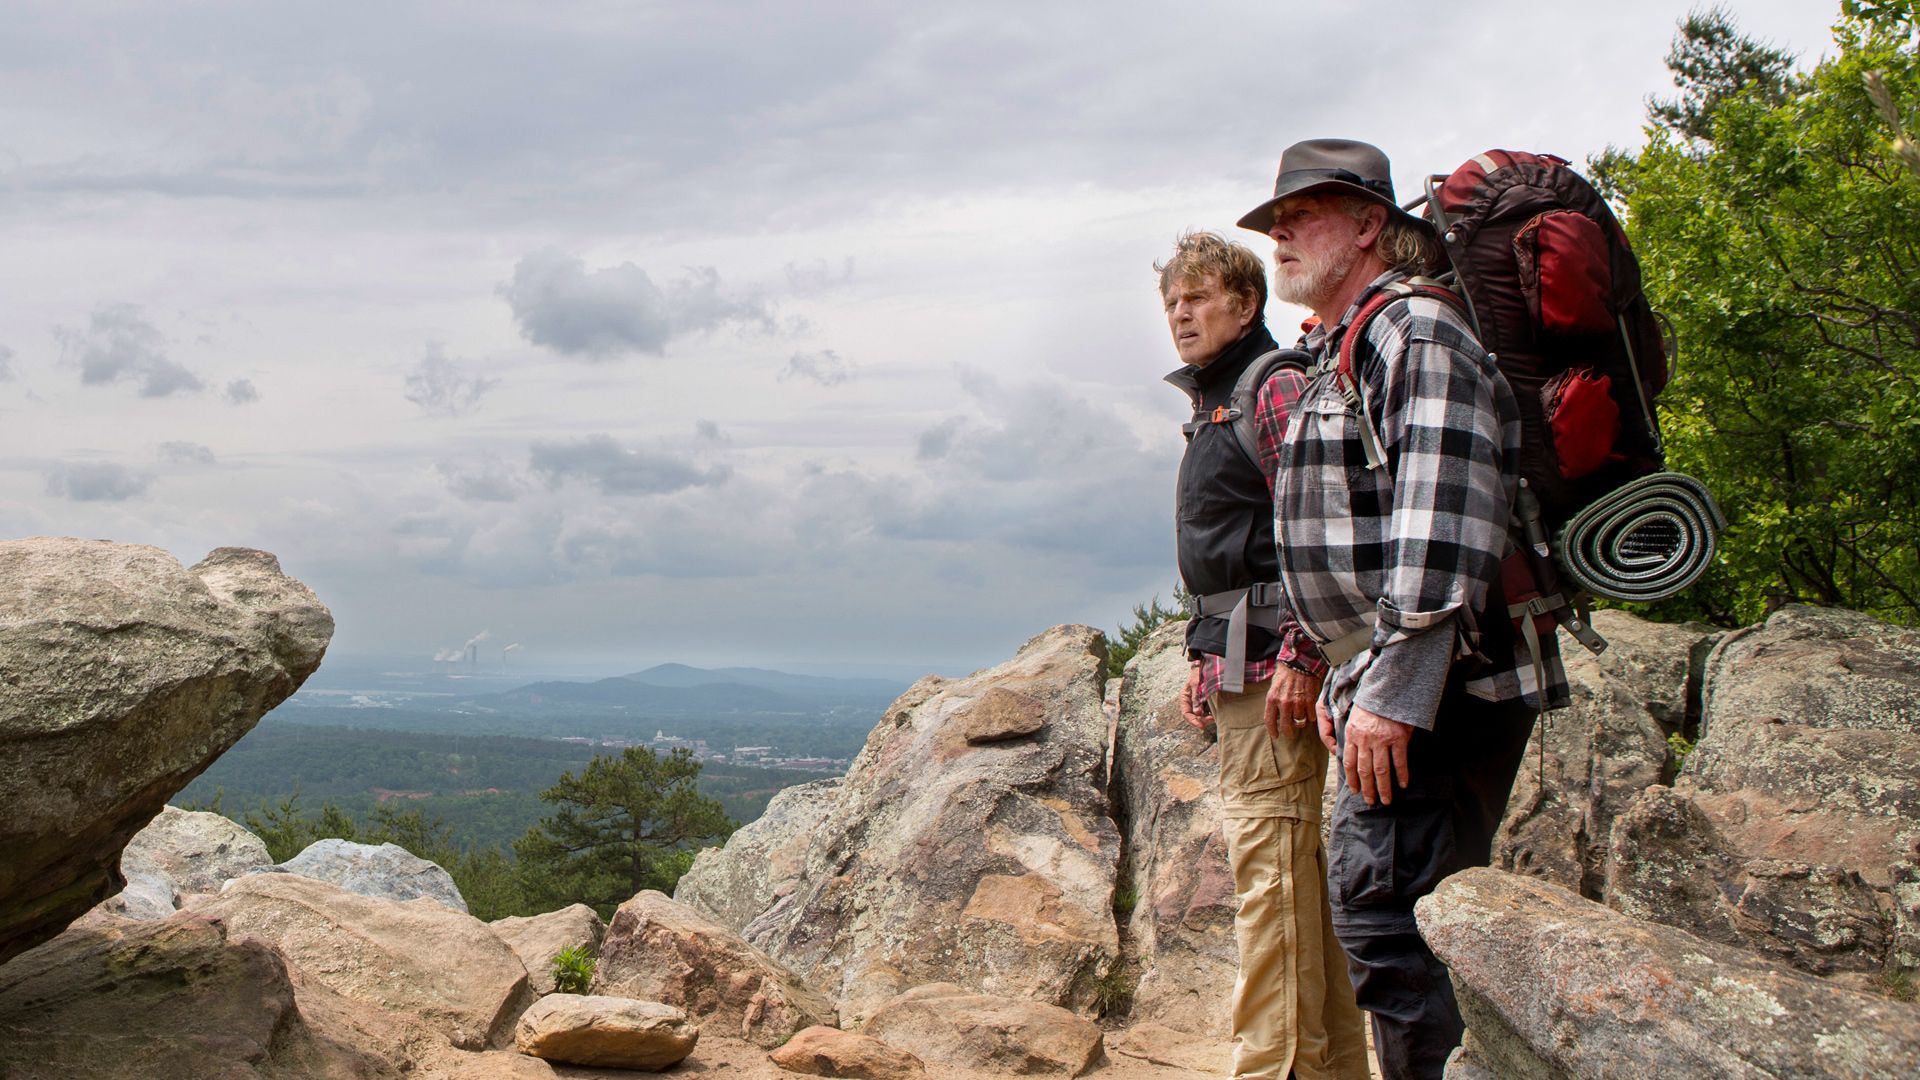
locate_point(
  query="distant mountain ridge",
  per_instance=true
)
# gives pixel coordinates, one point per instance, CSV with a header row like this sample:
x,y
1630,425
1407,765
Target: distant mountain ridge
x,y
679,689
684,675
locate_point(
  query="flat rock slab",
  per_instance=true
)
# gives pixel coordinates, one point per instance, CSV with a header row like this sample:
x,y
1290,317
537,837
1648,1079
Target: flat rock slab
x,y
419,958
612,1032
658,950
386,871
126,676
1001,714
536,939
827,1051
942,1022
1554,985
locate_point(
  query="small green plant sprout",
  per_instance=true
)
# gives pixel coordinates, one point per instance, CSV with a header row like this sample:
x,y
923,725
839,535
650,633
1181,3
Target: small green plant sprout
x,y
1681,746
572,970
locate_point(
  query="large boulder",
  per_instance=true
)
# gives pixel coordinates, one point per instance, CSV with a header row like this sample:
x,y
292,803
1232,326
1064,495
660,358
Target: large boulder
x,y
944,1023
658,950
1555,985
186,997
1586,763
183,852
419,958
991,865
1181,925
614,1032
826,1051
1794,826
536,939
763,861
386,871
126,676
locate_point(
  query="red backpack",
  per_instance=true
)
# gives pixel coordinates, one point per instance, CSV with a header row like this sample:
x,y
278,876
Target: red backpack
x,y
1544,275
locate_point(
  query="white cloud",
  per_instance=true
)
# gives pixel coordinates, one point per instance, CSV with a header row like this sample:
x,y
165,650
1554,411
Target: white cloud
x,y
825,367
120,344
444,387
96,482
177,452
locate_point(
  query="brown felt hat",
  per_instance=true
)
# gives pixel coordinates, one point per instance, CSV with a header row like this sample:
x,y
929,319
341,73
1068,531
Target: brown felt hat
x,y
1329,166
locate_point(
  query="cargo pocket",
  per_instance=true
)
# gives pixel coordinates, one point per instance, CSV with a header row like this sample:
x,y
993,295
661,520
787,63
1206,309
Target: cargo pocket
x,y
1251,760
1388,860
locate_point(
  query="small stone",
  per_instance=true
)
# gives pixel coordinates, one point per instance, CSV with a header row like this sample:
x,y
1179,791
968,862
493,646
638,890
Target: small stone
x,y
826,1051
1001,714
607,1032
944,1023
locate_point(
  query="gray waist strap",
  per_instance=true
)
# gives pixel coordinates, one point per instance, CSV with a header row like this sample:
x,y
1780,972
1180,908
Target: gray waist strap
x,y
1256,605
1347,646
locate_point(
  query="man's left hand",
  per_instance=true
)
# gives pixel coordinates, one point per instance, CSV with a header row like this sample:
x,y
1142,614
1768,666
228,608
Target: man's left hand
x,y
1290,701
1376,755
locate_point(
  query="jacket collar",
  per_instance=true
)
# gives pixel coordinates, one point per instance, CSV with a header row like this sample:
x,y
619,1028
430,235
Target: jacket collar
x,y
1196,381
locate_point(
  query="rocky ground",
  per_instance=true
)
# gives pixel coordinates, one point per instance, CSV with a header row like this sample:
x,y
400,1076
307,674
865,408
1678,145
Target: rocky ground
x,y
1710,867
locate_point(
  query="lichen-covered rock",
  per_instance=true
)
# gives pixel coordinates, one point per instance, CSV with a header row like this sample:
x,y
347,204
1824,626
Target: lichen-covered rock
x,y
1555,985
1600,753
126,676
1182,920
659,950
420,958
179,853
989,865
536,939
826,1051
944,1023
1672,866
763,861
611,1032
185,997
386,871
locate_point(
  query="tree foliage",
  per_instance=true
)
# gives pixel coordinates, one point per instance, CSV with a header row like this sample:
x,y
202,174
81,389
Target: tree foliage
x,y
626,823
1147,618
1780,229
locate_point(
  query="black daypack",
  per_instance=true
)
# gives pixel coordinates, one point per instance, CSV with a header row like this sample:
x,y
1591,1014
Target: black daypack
x,y
1241,404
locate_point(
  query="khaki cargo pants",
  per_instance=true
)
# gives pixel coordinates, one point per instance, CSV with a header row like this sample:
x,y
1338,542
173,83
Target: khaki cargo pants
x,y
1293,1006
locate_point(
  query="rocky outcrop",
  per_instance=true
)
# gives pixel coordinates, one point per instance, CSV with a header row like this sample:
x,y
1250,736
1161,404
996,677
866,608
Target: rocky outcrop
x,y
614,1032
825,1051
186,997
192,852
990,865
1553,985
658,950
385,871
944,1023
126,676
1794,827
419,958
1181,925
1603,751
763,862
536,939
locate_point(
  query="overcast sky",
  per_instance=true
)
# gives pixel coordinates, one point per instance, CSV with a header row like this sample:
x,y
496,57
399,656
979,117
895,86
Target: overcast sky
x,y
713,332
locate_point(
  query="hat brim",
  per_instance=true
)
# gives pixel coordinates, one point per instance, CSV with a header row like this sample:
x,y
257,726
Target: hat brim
x,y
1260,218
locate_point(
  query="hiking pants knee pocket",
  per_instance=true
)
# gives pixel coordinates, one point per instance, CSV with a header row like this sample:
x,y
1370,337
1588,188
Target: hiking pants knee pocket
x,y
1252,761
1386,857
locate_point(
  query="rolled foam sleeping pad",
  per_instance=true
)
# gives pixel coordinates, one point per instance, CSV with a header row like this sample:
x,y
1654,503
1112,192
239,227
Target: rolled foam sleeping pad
x,y
1646,540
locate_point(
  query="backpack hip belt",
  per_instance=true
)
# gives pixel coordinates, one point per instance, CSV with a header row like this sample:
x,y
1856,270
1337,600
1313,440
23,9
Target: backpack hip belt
x,y
1256,605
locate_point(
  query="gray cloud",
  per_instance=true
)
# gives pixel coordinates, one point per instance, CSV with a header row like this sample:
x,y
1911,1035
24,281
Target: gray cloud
x,y
96,482
6,364
825,367
119,343
186,453
483,480
615,470
818,276
241,392
604,314
443,387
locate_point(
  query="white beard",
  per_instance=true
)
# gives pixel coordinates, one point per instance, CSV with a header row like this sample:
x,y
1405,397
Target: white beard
x,y
1308,282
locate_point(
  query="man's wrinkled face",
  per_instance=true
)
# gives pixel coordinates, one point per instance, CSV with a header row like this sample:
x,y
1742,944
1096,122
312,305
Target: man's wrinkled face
x,y
1313,249
1205,318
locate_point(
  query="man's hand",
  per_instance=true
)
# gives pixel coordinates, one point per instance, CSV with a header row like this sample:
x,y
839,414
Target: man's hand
x,y
1191,707
1376,757
1290,701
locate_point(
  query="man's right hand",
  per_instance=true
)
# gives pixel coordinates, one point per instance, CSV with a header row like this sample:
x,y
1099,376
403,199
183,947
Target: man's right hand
x,y
1191,707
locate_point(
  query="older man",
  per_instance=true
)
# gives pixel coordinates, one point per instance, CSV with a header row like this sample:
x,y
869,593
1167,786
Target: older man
x,y
1253,672
1394,488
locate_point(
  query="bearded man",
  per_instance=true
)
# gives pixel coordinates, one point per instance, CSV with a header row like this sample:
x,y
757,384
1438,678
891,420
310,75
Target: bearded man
x,y
1394,489
1254,673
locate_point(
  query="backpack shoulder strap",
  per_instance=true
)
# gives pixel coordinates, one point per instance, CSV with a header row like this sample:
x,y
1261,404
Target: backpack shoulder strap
x,y
1246,395
1356,332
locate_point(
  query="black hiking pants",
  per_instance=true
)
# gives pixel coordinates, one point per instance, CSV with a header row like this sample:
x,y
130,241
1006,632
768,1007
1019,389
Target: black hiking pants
x,y
1380,859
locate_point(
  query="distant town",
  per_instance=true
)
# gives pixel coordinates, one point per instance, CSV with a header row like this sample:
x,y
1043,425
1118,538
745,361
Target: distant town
x,y
764,757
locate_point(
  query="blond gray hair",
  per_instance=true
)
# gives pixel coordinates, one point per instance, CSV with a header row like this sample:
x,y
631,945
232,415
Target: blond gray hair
x,y
1200,255
1402,245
